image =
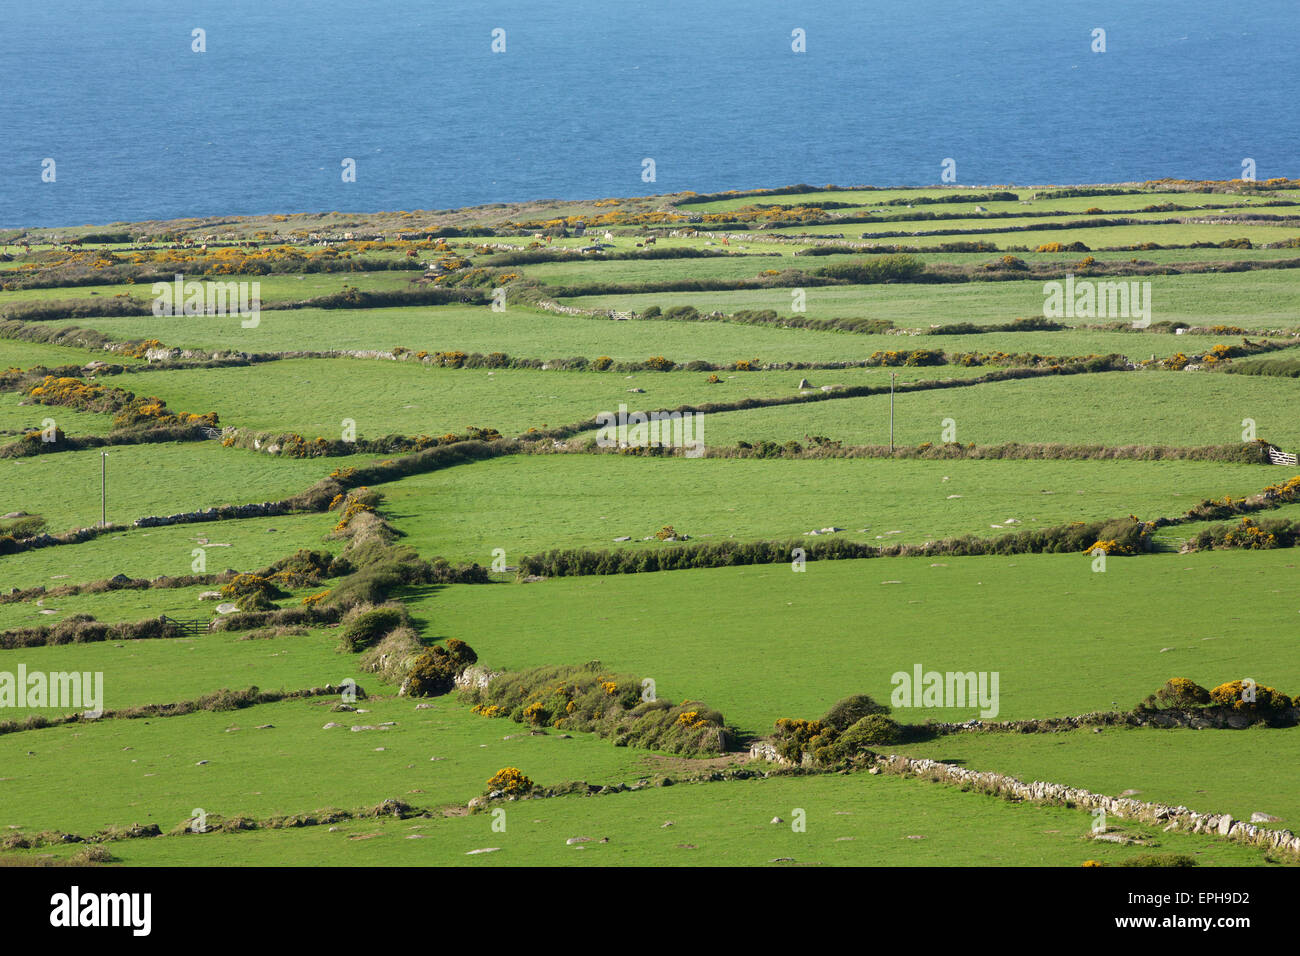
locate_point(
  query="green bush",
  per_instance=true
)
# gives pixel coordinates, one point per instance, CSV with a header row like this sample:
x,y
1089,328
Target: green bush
x,y
874,730
590,700
850,710
431,675
434,672
1181,693
368,627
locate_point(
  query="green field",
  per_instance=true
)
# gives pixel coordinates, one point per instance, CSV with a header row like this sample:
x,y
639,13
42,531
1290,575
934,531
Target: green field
x,y
1061,635
1252,300
587,501
408,398
1065,633
245,545
544,335
1112,408
853,821
145,480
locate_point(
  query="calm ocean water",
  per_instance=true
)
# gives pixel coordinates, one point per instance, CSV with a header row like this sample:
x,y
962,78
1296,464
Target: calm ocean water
x,y
141,127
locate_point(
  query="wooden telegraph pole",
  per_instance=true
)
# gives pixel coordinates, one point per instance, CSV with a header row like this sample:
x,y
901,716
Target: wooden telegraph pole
x,y
891,411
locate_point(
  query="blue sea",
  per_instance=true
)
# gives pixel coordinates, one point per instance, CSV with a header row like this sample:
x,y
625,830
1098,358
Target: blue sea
x,y
142,127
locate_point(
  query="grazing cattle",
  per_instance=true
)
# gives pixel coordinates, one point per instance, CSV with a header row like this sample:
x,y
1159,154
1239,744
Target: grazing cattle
x,y
650,241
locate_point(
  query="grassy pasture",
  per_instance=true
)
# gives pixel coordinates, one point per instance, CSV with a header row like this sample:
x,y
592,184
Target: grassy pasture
x,y
1252,300
760,256
530,333
760,643
872,198
149,480
1218,771
1111,408
1094,237
147,771
20,354
274,288
587,501
410,398
193,666
16,419
245,545
858,820
757,643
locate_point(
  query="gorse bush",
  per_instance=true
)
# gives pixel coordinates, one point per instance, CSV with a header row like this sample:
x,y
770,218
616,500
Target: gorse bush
x,y
590,699
434,672
1180,692
1259,703
846,733
252,592
1256,701
365,628
843,714
509,781
887,268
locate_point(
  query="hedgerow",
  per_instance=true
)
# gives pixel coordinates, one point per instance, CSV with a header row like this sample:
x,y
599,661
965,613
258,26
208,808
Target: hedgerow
x,y
591,699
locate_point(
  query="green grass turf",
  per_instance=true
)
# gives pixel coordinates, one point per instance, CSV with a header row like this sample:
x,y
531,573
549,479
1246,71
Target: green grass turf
x,y
871,199
542,335
124,605
273,288
149,480
17,419
1112,408
858,820
409,398
1214,771
245,544
1251,300
147,770
193,666
760,256
587,501
760,643
1095,238
15,353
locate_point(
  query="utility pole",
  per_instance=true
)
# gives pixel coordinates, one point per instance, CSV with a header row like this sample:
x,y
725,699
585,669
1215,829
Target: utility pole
x,y
891,411
103,489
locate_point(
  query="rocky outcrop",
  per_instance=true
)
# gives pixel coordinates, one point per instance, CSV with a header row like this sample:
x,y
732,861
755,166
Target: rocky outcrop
x,y
476,676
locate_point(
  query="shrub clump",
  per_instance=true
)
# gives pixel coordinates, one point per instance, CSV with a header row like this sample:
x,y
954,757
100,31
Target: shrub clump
x,y
365,626
1256,701
509,781
848,731
252,592
589,699
1180,693
434,672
